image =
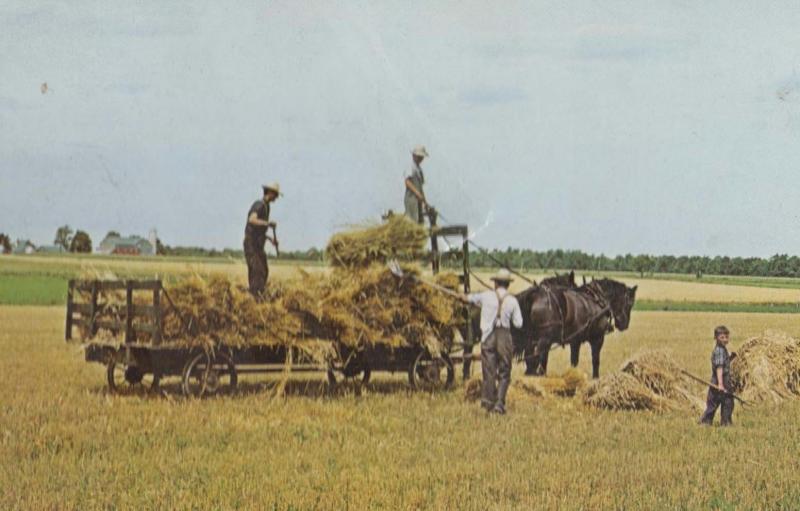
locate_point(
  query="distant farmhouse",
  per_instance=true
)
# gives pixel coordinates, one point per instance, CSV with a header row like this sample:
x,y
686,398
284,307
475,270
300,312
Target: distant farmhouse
x,y
130,245
51,249
23,247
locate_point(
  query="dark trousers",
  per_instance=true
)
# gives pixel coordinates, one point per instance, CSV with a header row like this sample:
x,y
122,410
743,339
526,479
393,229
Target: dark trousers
x,y
496,353
717,399
257,267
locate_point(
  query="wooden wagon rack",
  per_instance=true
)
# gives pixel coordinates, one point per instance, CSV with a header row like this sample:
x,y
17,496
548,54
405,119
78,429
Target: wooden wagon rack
x,y
137,356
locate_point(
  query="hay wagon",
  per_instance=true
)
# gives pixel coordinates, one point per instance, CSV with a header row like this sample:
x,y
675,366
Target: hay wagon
x,y
135,355
126,337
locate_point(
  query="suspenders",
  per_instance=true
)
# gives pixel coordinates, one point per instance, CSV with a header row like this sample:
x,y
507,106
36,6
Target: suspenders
x,y
499,309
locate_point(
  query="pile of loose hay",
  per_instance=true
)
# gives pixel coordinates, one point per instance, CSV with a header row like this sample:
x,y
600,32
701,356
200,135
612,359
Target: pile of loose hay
x,y
566,385
397,237
622,391
659,372
650,380
767,368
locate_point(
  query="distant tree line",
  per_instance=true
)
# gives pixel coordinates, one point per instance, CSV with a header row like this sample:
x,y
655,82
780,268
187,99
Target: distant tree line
x,y
779,265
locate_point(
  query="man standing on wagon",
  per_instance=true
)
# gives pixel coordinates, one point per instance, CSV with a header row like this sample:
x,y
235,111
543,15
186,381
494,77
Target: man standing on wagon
x,y
415,202
255,235
499,311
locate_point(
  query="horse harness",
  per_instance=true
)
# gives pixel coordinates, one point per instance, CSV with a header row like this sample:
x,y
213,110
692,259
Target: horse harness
x,y
597,296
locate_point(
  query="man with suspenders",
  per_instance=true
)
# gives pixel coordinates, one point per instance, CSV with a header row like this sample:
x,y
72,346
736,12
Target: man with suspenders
x,y
499,311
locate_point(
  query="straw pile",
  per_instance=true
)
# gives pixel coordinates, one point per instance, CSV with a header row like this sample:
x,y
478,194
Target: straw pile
x,y
566,385
622,391
659,372
767,368
397,237
650,380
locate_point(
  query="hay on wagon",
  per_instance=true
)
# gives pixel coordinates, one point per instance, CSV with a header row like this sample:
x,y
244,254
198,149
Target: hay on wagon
x,y
355,304
361,246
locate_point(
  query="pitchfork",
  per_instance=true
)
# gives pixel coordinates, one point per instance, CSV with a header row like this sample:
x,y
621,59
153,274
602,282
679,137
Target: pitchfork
x,y
398,272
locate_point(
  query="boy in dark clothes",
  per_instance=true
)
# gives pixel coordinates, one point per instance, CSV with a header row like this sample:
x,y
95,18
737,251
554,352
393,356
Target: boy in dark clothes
x,y
719,392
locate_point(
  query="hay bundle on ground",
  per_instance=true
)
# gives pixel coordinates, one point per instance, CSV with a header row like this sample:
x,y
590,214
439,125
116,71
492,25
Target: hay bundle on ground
x,y
397,237
767,368
520,389
659,372
621,391
565,385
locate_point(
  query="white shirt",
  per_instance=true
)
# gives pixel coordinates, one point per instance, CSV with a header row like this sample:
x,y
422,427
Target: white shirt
x,y
488,303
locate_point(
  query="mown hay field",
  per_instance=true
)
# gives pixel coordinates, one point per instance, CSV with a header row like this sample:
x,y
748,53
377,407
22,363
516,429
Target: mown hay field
x,y
66,444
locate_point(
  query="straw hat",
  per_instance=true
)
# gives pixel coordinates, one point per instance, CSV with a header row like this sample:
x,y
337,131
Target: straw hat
x,y
502,275
420,151
275,187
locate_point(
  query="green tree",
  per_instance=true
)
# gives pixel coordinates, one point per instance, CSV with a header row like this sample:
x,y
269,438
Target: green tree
x,y
5,243
63,236
642,263
81,243
113,234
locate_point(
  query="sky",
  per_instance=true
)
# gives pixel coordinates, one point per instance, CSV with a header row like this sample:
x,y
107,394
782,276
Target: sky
x,y
610,127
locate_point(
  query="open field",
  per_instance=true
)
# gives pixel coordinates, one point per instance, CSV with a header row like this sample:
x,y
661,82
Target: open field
x,y
66,444
41,280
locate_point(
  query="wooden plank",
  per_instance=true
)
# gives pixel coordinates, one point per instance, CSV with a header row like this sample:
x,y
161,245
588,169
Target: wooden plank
x,y
70,290
109,324
112,285
145,327
452,230
147,285
82,308
129,311
145,310
93,310
157,305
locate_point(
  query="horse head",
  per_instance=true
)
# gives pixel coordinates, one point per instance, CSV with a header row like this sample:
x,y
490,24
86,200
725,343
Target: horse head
x,y
562,280
621,299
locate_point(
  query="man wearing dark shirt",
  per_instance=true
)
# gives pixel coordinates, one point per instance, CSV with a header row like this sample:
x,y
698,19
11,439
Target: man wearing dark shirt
x,y
255,235
719,392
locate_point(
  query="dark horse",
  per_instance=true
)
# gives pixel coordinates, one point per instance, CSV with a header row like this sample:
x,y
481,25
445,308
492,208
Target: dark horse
x,y
524,336
569,315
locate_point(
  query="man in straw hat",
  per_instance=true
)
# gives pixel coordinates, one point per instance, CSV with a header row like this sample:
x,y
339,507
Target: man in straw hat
x,y
499,311
255,235
415,195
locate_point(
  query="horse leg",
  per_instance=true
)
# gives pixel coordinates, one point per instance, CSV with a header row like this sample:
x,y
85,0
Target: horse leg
x,y
597,345
531,359
574,353
543,347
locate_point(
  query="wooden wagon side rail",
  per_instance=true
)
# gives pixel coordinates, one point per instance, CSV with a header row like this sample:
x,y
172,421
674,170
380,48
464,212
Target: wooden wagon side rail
x,y
88,312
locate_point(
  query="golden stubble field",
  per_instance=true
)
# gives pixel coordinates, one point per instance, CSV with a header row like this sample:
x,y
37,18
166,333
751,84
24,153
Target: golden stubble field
x,y
66,444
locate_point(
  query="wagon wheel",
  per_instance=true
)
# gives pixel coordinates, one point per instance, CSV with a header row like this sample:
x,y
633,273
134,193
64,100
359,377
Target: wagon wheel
x,y
428,373
125,379
201,378
350,371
